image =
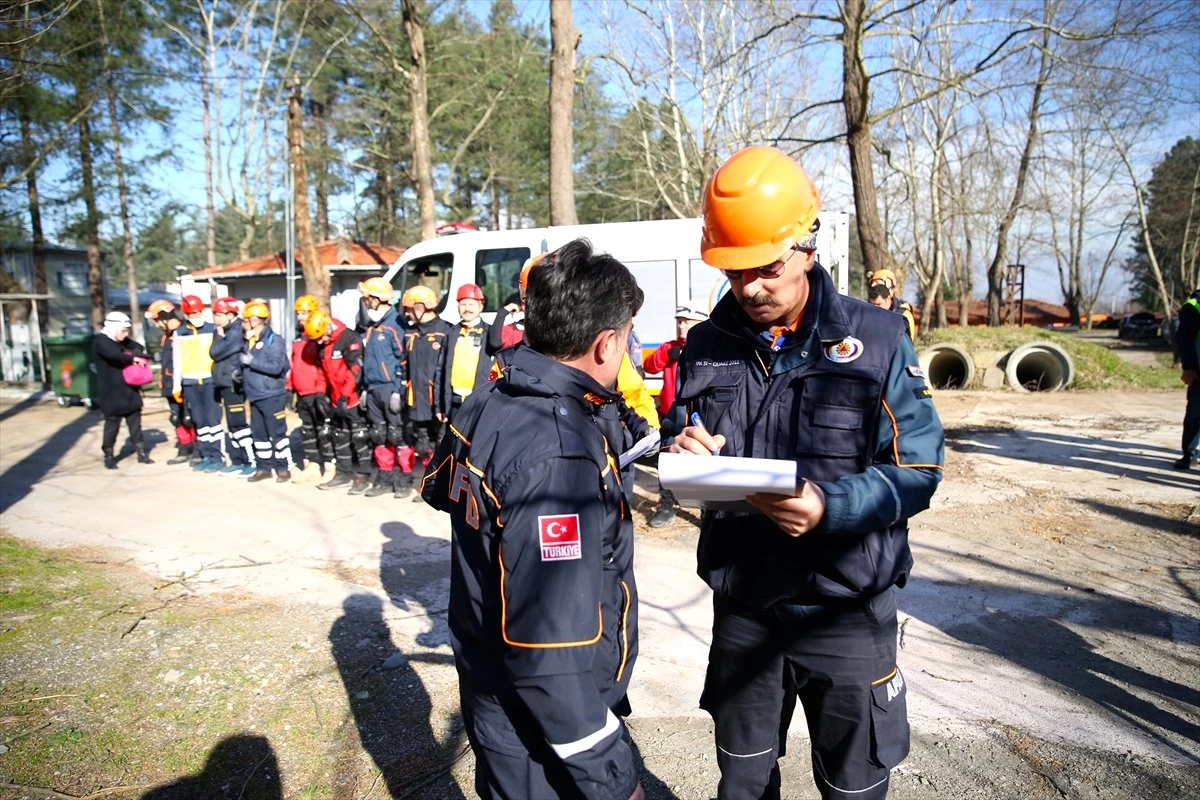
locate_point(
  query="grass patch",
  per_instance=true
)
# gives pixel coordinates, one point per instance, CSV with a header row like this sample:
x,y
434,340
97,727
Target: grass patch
x,y
1096,366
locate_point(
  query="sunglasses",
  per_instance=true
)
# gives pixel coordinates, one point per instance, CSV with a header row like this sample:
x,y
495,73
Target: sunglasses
x,y
878,290
772,270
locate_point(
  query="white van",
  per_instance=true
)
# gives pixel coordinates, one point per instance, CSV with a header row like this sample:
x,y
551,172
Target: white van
x,y
663,255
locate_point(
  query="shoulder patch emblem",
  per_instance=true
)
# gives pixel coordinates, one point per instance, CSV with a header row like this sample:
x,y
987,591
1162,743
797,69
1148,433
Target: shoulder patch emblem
x,y
916,372
845,351
922,393
559,537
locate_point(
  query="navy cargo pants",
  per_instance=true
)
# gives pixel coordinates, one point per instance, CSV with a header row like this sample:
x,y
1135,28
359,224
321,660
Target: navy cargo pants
x,y
840,661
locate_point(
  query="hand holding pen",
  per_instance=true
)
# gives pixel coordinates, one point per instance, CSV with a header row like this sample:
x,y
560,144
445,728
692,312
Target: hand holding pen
x,y
696,439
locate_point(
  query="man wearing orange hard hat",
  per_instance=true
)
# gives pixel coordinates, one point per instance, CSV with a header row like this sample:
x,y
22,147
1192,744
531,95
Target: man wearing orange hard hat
x,y
804,604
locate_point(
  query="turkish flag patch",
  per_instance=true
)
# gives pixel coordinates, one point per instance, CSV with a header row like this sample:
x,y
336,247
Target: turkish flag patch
x,y
559,537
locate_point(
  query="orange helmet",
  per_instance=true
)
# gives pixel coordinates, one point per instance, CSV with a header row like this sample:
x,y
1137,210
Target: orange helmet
x,y
419,294
469,291
377,287
317,325
192,304
256,308
159,307
225,305
756,207
527,268
884,276
306,302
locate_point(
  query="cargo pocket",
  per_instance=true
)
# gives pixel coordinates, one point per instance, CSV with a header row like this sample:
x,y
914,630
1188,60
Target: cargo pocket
x,y
889,720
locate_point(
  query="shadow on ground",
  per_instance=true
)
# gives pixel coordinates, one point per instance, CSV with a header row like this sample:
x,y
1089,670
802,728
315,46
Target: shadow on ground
x,y
241,767
18,480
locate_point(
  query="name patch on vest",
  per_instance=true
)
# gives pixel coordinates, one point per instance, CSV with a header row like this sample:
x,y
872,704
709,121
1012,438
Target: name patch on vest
x,y
845,351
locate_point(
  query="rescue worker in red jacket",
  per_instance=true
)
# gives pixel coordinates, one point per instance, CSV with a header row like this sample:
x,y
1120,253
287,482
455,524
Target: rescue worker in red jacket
x,y
426,342
340,351
165,317
466,361
385,370
308,382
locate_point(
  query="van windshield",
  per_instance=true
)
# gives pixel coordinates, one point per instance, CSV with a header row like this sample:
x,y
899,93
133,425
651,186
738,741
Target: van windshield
x,y
432,271
497,273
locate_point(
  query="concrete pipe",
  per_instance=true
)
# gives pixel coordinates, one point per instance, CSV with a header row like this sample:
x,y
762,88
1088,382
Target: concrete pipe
x,y
1039,367
948,366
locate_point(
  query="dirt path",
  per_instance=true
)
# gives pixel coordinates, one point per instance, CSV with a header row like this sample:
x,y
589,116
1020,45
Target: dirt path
x,y
1051,631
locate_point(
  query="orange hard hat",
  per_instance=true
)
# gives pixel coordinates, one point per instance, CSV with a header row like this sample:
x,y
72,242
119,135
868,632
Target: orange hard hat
x,y
419,294
884,276
527,268
756,207
469,291
377,287
157,307
317,325
306,302
256,308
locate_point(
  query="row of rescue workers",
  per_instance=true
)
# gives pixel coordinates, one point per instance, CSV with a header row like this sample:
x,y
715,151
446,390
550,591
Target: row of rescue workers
x,y
372,400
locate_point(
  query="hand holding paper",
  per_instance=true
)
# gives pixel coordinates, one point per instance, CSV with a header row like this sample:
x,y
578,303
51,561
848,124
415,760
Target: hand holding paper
x,y
715,481
797,515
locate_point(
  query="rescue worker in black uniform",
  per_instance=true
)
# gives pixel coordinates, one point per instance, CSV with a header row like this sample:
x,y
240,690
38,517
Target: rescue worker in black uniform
x,y
881,292
426,341
226,351
804,605
542,539
384,375
1187,345
164,316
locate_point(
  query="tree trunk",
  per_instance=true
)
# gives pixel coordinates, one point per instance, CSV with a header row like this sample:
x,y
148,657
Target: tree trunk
x,y
494,204
95,267
122,191
210,210
856,104
38,253
422,148
270,159
321,170
995,270
563,41
316,277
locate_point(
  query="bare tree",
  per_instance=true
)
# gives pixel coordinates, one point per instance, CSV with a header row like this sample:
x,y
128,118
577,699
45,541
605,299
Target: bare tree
x,y
316,277
564,39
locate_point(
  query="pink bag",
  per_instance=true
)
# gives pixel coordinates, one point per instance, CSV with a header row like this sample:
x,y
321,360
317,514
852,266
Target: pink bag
x,y
137,374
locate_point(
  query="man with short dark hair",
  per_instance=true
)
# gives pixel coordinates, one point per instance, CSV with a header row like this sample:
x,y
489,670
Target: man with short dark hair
x,y
543,605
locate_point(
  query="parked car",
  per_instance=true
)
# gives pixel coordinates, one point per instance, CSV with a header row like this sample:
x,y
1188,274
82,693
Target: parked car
x,y
1142,325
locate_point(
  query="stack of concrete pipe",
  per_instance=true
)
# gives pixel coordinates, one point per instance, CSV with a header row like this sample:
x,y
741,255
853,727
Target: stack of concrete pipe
x,y
1032,367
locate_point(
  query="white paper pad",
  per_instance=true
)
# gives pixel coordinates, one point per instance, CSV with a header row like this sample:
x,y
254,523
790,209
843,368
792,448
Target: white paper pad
x,y
724,479
647,444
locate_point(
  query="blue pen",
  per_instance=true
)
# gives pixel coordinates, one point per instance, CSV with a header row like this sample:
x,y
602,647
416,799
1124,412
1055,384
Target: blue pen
x,y
699,423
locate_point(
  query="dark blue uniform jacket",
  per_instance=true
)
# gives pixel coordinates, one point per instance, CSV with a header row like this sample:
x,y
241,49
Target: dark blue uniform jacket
x,y
426,345
266,374
845,399
226,353
542,598
384,360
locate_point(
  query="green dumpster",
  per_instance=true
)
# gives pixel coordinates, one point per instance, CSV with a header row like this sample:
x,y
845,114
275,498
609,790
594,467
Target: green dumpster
x,y
70,367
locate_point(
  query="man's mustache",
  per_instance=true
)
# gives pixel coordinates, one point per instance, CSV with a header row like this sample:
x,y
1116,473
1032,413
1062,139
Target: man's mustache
x,y
761,300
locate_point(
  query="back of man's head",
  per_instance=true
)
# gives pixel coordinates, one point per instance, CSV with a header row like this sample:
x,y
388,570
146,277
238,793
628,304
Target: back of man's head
x,y
573,295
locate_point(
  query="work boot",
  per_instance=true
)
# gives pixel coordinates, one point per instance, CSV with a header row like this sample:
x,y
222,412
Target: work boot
x,y
259,475
182,457
338,480
1182,463
282,475
663,515
361,482
401,484
109,461
380,486
195,458
143,456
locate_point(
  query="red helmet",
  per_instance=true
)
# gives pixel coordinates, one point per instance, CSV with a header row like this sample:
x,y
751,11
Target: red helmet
x,y
226,305
470,291
192,304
